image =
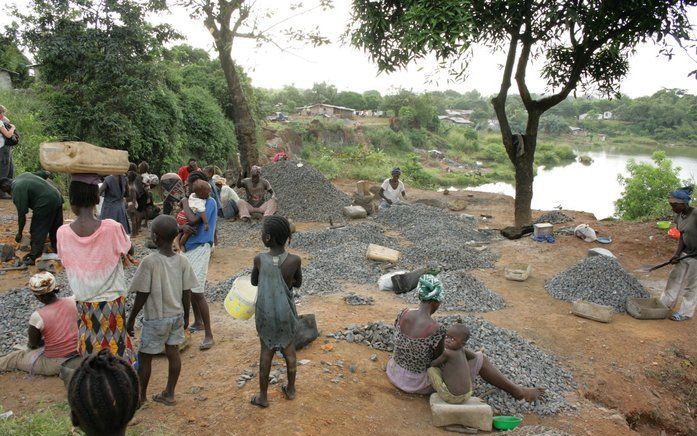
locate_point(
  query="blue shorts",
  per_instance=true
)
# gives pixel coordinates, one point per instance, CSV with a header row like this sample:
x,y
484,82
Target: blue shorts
x,y
158,332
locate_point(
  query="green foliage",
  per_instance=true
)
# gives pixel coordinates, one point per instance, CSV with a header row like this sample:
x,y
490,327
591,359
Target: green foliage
x,y
462,139
373,99
552,155
646,188
12,59
53,420
414,172
386,139
350,99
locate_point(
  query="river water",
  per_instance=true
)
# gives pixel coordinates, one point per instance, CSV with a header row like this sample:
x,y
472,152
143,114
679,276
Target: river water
x,y
593,188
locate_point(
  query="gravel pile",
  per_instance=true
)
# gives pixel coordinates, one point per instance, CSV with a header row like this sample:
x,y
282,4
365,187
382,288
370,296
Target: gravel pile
x,y
345,261
364,232
554,217
598,279
535,430
218,291
359,300
516,357
463,292
239,234
304,193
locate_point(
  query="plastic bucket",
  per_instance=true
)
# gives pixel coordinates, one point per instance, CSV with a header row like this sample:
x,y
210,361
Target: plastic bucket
x,y
240,302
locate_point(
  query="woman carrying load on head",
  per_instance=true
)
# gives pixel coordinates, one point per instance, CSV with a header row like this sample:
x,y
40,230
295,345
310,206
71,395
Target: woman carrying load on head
x,y
683,278
93,252
419,339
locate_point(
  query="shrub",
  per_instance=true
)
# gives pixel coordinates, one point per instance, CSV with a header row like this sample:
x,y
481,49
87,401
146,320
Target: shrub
x,y
646,188
415,173
387,139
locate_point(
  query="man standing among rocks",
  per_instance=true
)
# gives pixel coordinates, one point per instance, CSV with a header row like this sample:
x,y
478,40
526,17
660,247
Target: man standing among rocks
x,y
256,188
30,191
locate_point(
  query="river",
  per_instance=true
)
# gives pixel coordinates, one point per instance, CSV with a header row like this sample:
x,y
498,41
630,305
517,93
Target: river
x,y
592,188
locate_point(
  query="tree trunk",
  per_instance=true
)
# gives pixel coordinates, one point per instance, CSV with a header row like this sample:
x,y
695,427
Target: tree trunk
x,y
524,174
245,126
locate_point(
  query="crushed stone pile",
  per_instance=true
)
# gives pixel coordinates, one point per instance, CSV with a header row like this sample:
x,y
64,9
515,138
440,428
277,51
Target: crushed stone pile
x,y
367,232
554,217
218,291
438,236
303,193
463,292
359,300
240,234
598,279
536,430
346,261
516,357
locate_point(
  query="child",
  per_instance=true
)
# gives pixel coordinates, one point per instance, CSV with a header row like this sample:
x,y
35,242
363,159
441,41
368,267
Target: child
x,y
103,394
163,282
197,204
450,374
276,273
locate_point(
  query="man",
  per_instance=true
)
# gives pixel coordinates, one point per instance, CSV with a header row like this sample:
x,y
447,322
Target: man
x,y
256,188
6,165
209,172
52,331
228,197
30,191
185,170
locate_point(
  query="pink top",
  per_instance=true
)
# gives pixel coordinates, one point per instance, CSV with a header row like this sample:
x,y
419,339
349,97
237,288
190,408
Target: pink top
x,y
93,263
60,328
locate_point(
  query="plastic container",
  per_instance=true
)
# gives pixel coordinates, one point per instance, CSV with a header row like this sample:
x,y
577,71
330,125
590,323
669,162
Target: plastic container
x,y
518,272
241,301
647,308
81,157
506,422
663,225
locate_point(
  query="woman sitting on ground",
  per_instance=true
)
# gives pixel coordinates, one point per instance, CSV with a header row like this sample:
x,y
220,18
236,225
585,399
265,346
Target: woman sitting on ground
x,y
419,339
392,190
52,331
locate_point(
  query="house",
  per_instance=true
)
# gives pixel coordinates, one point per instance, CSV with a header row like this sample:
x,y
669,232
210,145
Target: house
x,y
462,113
6,78
454,120
577,131
326,110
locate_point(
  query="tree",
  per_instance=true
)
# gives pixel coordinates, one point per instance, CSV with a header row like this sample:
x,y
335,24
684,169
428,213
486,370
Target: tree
x,y
229,20
321,93
12,58
350,99
584,43
373,99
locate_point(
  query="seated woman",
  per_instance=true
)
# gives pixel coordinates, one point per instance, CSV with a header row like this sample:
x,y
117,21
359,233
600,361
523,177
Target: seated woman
x,y
419,340
52,331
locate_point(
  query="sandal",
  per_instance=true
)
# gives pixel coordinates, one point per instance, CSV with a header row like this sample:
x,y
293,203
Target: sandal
x,y
677,317
160,398
550,239
539,238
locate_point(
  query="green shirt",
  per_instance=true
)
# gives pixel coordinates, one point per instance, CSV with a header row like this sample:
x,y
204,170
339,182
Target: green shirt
x,y
30,191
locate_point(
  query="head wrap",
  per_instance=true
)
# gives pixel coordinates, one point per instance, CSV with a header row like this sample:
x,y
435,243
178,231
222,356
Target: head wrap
x,y
256,170
682,195
42,283
396,170
430,288
219,180
89,179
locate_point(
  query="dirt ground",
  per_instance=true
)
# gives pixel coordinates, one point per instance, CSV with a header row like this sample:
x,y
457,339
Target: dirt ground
x,y
633,376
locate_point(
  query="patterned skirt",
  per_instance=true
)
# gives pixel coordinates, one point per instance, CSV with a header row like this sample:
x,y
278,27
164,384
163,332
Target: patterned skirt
x,y
102,324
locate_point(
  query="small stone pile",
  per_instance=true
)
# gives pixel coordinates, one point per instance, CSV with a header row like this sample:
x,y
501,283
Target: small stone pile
x,y
358,300
554,217
303,193
516,357
536,430
598,279
463,292
218,291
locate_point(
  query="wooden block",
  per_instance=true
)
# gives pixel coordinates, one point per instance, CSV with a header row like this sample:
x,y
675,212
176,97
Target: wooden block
x,y
382,254
596,312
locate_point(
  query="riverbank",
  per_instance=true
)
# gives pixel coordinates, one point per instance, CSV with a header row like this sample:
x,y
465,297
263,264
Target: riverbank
x,y
632,376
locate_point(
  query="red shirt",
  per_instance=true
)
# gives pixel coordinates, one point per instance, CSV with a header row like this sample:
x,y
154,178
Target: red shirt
x,y
183,173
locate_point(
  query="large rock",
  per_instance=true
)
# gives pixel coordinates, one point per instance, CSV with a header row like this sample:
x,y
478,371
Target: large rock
x,y
474,413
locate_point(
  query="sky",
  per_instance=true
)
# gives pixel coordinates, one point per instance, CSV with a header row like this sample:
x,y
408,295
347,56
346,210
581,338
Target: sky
x,y
349,69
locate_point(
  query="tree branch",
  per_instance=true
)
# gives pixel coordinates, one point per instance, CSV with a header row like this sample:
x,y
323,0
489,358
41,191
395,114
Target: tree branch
x,y
499,102
522,66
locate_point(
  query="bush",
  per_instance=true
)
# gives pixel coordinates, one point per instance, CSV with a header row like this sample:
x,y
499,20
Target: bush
x,y
415,173
386,139
463,139
646,188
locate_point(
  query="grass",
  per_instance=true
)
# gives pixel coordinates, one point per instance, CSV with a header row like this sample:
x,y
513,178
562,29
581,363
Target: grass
x,y
47,420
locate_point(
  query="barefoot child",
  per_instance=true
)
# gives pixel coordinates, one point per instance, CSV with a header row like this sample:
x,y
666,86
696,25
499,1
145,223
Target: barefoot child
x,y
450,374
163,282
197,203
276,273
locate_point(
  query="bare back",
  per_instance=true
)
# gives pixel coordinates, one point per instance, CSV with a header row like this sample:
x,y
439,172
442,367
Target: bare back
x,y
456,372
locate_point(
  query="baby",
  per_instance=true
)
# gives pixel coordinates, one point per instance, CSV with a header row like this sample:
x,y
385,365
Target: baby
x,y
197,204
450,374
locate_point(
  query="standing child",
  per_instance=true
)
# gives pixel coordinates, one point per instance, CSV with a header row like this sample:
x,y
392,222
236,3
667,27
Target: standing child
x,y
276,273
163,282
197,204
450,374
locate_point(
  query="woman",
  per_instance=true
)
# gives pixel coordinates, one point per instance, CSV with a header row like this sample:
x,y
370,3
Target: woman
x,y
228,197
683,278
392,190
172,191
114,190
92,252
419,340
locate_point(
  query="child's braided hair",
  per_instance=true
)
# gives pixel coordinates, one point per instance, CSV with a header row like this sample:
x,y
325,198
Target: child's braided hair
x,y
104,393
278,228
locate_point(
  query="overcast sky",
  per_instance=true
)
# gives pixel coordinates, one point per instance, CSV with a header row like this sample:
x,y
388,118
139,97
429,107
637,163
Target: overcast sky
x,y
350,69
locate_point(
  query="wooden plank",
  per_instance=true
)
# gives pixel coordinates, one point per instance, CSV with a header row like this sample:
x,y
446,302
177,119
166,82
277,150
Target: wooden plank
x,y
382,254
